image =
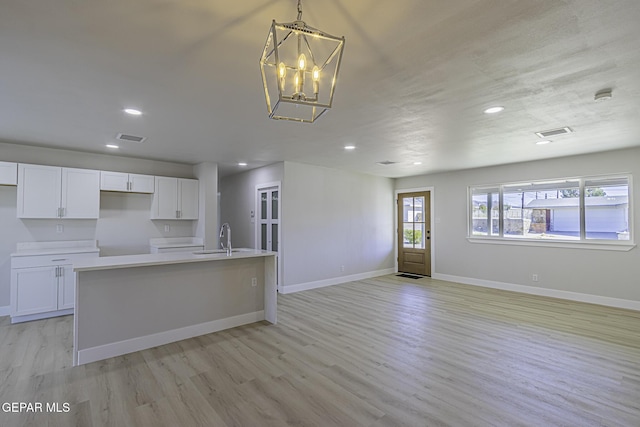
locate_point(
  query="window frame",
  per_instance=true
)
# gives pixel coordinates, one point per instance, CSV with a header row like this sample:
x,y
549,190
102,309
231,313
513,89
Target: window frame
x,y
582,242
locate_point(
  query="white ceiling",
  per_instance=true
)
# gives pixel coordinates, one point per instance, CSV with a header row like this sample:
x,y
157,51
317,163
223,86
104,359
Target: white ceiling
x,y
415,78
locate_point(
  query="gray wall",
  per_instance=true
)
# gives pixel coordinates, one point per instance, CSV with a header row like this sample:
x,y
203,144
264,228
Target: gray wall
x,y
333,218
330,218
238,198
595,272
124,226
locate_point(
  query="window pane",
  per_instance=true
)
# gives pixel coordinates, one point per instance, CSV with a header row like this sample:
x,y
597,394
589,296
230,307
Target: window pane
x,y
274,237
606,205
494,213
410,236
408,208
485,205
418,209
274,205
263,205
263,236
545,210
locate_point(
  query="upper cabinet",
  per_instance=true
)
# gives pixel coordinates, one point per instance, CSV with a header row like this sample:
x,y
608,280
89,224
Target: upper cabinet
x,y
8,173
54,192
175,198
126,182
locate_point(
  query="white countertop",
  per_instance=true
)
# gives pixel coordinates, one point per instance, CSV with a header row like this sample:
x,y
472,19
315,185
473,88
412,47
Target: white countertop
x,y
145,260
55,248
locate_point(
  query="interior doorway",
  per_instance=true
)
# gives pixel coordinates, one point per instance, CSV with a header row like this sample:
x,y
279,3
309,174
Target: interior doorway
x,y
268,213
414,232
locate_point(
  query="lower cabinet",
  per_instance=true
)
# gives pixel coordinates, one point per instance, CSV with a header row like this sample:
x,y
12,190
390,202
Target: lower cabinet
x,y
42,286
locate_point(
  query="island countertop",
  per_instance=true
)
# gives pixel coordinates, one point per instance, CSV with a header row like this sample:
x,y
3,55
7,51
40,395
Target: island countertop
x,y
145,260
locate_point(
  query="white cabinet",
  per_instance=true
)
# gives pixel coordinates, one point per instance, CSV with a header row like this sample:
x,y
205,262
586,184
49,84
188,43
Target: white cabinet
x,y
126,182
8,173
43,286
54,192
175,198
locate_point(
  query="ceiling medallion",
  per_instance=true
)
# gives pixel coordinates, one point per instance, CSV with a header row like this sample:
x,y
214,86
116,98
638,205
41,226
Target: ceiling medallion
x,y
299,67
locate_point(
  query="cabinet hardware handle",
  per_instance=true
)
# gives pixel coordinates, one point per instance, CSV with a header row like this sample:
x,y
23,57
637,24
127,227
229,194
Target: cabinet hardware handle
x,y
58,260
57,271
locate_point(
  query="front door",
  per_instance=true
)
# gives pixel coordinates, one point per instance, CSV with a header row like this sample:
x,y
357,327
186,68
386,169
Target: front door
x,y
414,233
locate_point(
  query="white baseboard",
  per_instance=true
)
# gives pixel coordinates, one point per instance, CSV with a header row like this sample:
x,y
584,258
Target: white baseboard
x,y
532,290
5,310
119,348
334,281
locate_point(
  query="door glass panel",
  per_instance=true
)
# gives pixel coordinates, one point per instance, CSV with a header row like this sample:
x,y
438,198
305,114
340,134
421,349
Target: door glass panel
x,y
418,236
274,205
263,203
409,235
407,204
418,209
264,237
274,237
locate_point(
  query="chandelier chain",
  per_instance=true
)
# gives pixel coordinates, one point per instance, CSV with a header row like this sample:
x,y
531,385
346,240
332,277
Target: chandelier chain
x,y
299,10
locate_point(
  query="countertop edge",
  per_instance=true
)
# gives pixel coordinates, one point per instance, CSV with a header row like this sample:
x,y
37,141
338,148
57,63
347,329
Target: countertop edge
x,y
149,260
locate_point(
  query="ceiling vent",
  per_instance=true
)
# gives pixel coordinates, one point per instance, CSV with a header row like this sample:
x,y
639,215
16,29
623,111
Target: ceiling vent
x,y
387,163
554,132
130,138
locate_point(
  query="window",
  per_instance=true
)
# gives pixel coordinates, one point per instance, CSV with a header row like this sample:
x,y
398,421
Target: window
x,y
572,209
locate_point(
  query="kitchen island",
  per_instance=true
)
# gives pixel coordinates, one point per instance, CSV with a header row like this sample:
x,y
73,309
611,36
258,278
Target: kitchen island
x,y
134,302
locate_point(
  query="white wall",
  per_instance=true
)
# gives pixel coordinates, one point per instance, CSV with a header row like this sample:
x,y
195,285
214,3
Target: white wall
x,y
593,272
333,218
124,226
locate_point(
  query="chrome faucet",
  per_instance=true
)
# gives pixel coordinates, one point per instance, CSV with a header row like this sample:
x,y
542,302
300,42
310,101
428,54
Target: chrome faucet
x,y
228,234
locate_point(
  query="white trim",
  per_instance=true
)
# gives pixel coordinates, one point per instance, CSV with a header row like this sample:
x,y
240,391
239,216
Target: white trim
x,y
5,310
39,316
334,281
613,246
432,221
119,348
256,220
553,293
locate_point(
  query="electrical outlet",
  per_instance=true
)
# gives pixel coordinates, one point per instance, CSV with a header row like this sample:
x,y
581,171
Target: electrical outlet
x,y
59,228
534,277
254,282
167,228
342,268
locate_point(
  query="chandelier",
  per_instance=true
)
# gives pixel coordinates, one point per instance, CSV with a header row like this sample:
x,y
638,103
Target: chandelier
x,y
299,67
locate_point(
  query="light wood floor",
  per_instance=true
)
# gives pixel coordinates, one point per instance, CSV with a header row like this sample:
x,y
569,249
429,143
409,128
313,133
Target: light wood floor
x,y
378,352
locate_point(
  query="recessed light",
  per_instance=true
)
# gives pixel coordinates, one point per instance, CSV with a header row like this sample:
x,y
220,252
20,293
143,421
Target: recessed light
x,y
112,146
133,111
417,163
242,164
543,142
349,147
494,110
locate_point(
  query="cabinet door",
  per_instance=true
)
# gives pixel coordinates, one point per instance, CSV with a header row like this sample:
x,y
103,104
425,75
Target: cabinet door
x,y
114,181
141,183
165,198
38,191
8,173
188,198
34,290
66,287
80,193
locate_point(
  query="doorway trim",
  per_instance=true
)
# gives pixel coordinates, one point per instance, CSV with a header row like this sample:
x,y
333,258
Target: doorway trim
x,y
256,220
432,221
